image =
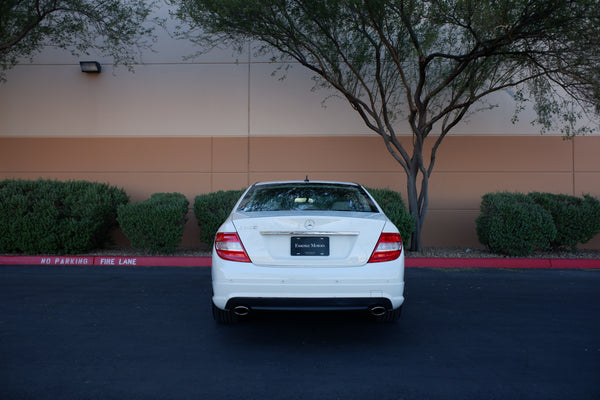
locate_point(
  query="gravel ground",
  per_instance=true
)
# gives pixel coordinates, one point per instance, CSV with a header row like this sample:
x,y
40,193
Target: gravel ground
x,y
435,252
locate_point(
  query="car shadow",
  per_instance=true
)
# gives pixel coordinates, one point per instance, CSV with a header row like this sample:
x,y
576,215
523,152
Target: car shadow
x,y
321,328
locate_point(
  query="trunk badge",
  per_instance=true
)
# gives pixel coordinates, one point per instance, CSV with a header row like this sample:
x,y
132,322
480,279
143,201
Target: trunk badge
x,y
309,224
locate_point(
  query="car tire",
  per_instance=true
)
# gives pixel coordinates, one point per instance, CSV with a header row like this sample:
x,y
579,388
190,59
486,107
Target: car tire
x,y
225,317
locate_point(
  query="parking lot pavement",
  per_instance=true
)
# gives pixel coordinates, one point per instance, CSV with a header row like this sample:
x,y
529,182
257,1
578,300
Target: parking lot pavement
x,y
77,332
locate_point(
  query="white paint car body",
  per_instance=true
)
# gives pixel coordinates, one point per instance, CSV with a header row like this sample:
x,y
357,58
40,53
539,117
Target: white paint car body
x,y
305,259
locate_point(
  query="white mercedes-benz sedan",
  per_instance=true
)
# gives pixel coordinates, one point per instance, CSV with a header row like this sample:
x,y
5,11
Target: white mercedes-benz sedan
x,y
307,245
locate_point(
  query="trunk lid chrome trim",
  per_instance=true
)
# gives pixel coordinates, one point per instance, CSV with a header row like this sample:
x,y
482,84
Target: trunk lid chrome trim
x,y
309,233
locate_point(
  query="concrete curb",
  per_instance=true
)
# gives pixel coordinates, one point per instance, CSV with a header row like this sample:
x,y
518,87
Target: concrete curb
x,y
165,261
416,262
522,263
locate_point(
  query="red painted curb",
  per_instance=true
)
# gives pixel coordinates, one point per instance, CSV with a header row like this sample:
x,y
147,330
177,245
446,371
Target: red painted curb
x,y
569,263
416,262
523,263
108,261
482,263
154,261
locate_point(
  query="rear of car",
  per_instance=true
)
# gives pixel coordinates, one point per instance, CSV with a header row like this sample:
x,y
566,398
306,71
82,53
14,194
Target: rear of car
x,y
307,246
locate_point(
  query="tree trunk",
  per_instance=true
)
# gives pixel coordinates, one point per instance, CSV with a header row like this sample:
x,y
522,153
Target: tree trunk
x,y
414,209
415,240
418,198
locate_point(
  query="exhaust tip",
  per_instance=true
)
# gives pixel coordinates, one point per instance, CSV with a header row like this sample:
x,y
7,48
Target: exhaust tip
x,y
241,311
377,311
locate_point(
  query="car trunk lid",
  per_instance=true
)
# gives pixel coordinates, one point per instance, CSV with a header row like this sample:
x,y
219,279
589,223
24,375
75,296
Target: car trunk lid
x,y
319,239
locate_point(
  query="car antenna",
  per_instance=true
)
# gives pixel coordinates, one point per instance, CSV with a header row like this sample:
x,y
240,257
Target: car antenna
x,y
306,180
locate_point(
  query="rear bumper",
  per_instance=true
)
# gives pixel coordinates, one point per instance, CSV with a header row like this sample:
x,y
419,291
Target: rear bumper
x,y
305,288
309,304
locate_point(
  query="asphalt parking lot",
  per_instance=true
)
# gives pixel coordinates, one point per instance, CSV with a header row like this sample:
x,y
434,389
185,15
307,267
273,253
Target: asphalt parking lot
x,y
80,332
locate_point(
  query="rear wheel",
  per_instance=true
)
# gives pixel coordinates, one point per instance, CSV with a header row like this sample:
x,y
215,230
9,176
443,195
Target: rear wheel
x,y
223,316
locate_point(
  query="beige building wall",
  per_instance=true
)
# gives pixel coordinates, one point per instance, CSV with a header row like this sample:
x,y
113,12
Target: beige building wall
x,y
468,167
222,121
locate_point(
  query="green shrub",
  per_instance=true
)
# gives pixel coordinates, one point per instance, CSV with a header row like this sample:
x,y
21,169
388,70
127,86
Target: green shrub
x,y
577,220
53,217
393,206
212,209
512,224
156,224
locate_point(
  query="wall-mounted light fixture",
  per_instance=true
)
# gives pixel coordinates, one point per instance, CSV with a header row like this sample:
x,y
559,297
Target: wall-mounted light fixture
x,y
90,66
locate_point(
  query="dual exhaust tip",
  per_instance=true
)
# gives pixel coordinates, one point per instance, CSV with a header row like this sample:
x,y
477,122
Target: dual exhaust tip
x,y
241,311
376,311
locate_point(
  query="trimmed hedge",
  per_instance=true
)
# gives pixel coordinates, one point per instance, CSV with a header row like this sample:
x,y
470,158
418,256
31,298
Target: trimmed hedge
x,y
395,209
53,217
156,224
212,209
577,220
512,224
516,224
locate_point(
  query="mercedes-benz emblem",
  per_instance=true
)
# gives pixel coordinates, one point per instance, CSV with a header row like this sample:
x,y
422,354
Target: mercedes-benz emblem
x,y
309,224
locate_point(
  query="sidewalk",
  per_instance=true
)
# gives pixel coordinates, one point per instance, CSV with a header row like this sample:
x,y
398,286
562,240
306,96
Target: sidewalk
x,y
416,262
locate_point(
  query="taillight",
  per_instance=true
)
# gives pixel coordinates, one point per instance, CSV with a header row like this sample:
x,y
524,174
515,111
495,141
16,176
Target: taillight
x,y
389,247
229,247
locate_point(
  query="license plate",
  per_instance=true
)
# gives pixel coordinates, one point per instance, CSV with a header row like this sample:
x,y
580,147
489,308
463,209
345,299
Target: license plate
x,y
310,246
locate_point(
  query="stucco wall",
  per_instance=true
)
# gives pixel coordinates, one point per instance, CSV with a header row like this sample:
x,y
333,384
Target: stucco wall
x,y
467,167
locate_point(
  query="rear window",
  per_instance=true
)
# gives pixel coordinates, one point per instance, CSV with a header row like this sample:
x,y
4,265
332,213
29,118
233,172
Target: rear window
x,y
307,196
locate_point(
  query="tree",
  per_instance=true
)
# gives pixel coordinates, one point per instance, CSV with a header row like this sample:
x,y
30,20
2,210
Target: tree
x,y
114,27
427,63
